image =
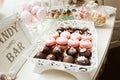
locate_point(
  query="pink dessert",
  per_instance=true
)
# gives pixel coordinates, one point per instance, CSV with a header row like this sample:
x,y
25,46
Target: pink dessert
x,y
26,16
40,14
85,44
54,35
50,42
75,35
34,10
86,37
73,42
83,49
65,34
62,42
80,14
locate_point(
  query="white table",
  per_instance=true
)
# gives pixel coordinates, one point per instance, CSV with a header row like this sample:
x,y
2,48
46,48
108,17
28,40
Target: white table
x,y
104,37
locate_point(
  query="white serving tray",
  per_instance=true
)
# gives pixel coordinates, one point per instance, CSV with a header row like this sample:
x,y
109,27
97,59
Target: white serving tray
x,y
68,67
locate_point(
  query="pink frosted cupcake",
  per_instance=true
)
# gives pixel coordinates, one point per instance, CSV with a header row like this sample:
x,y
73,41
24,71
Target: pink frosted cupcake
x,y
86,37
62,42
65,34
73,42
85,44
75,35
50,42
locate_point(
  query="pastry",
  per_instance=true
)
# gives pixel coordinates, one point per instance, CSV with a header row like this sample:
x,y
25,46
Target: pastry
x,y
65,34
26,16
50,42
75,35
62,42
85,44
73,42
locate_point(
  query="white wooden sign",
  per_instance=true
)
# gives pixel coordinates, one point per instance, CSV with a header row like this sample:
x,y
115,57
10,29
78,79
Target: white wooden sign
x,y
13,43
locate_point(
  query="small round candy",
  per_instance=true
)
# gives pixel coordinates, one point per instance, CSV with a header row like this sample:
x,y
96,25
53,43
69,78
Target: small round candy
x,y
54,35
40,55
72,52
86,37
75,35
35,9
46,50
85,44
65,34
40,14
82,61
73,42
26,16
62,40
86,53
51,57
57,51
68,59
50,42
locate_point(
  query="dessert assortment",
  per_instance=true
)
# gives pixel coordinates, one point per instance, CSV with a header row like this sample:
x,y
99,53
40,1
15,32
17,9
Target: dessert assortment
x,y
72,42
81,14
72,45
98,18
30,12
59,13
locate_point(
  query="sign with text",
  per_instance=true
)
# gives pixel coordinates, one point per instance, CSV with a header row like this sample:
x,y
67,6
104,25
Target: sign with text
x,y
13,42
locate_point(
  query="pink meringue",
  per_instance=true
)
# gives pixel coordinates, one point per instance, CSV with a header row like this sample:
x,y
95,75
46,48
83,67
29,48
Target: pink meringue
x,y
26,16
85,44
86,37
50,42
65,34
35,9
75,35
73,42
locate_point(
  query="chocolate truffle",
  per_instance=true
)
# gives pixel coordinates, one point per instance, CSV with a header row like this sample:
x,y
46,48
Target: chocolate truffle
x,y
40,55
72,52
82,61
57,51
3,77
86,53
51,57
68,59
46,50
